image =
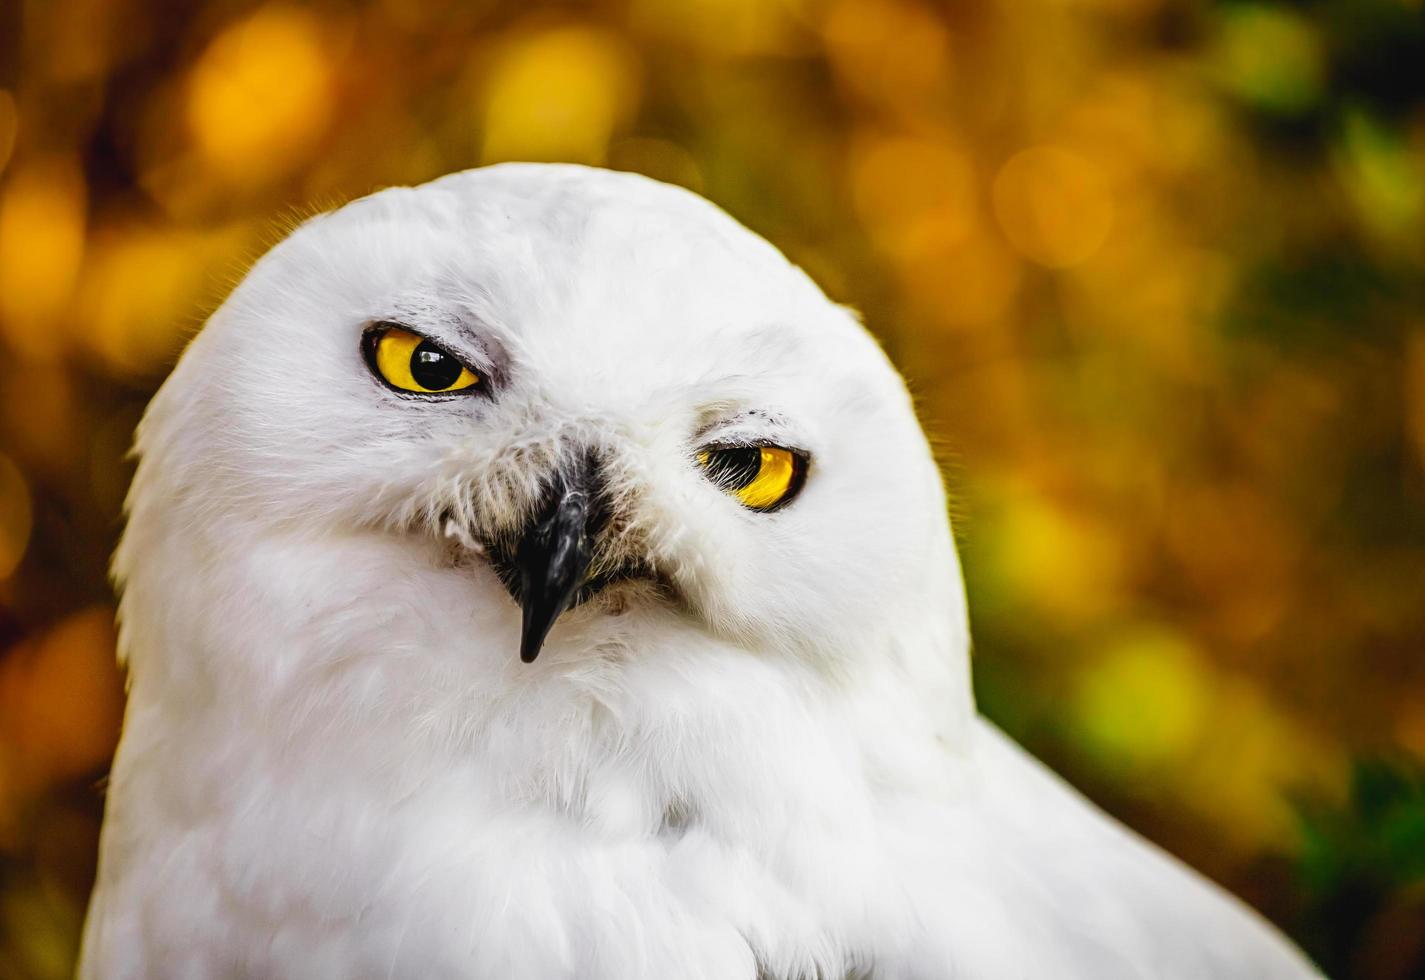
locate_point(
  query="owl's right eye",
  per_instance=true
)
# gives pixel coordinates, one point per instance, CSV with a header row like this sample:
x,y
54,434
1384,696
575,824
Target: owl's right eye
x,y
762,478
409,362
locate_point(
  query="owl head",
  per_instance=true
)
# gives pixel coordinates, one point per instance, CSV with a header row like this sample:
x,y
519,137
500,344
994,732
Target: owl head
x,y
581,403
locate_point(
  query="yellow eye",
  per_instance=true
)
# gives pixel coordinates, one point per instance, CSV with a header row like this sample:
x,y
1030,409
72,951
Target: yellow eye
x,y
410,362
763,478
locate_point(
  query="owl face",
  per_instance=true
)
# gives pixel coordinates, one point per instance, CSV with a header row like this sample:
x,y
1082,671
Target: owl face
x,y
589,393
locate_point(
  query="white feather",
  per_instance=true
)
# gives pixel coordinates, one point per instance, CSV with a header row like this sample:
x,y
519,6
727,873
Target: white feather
x,y
335,765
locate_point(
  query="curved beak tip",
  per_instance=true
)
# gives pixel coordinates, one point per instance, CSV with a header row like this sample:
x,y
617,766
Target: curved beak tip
x,y
553,558
539,617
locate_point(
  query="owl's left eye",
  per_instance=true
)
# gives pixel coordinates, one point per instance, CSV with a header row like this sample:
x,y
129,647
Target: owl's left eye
x,y
409,362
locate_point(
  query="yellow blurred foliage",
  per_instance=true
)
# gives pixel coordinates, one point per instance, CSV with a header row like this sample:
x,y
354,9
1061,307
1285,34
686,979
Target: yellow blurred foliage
x,y
657,158
558,94
970,283
260,97
1250,762
1410,728
1063,561
1414,370
9,121
1386,177
723,28
1054,206
1270,55
894,54
45,928
46,417
915,195
143,290
42,221
1144,701
60,705
1152,705
16,514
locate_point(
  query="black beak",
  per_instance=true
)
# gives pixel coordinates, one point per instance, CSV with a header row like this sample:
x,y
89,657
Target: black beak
x,y
550,566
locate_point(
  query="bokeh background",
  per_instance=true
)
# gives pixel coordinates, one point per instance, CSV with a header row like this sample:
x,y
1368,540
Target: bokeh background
x,y
1153,268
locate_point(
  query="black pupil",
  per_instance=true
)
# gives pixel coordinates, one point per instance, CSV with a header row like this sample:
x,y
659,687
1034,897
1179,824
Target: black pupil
x,y
432,368
734,468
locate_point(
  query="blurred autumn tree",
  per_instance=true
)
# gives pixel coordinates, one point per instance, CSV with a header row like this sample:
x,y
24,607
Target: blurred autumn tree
x,y
1154,268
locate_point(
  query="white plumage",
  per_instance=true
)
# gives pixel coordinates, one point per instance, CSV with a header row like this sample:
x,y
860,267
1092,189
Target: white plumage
x,y
756,757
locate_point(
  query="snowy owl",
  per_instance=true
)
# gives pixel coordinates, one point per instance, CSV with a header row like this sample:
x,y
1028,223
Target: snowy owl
x,y
533,575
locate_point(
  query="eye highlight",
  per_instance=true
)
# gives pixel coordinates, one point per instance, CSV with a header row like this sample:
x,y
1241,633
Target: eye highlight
x,y
409,362
762,478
